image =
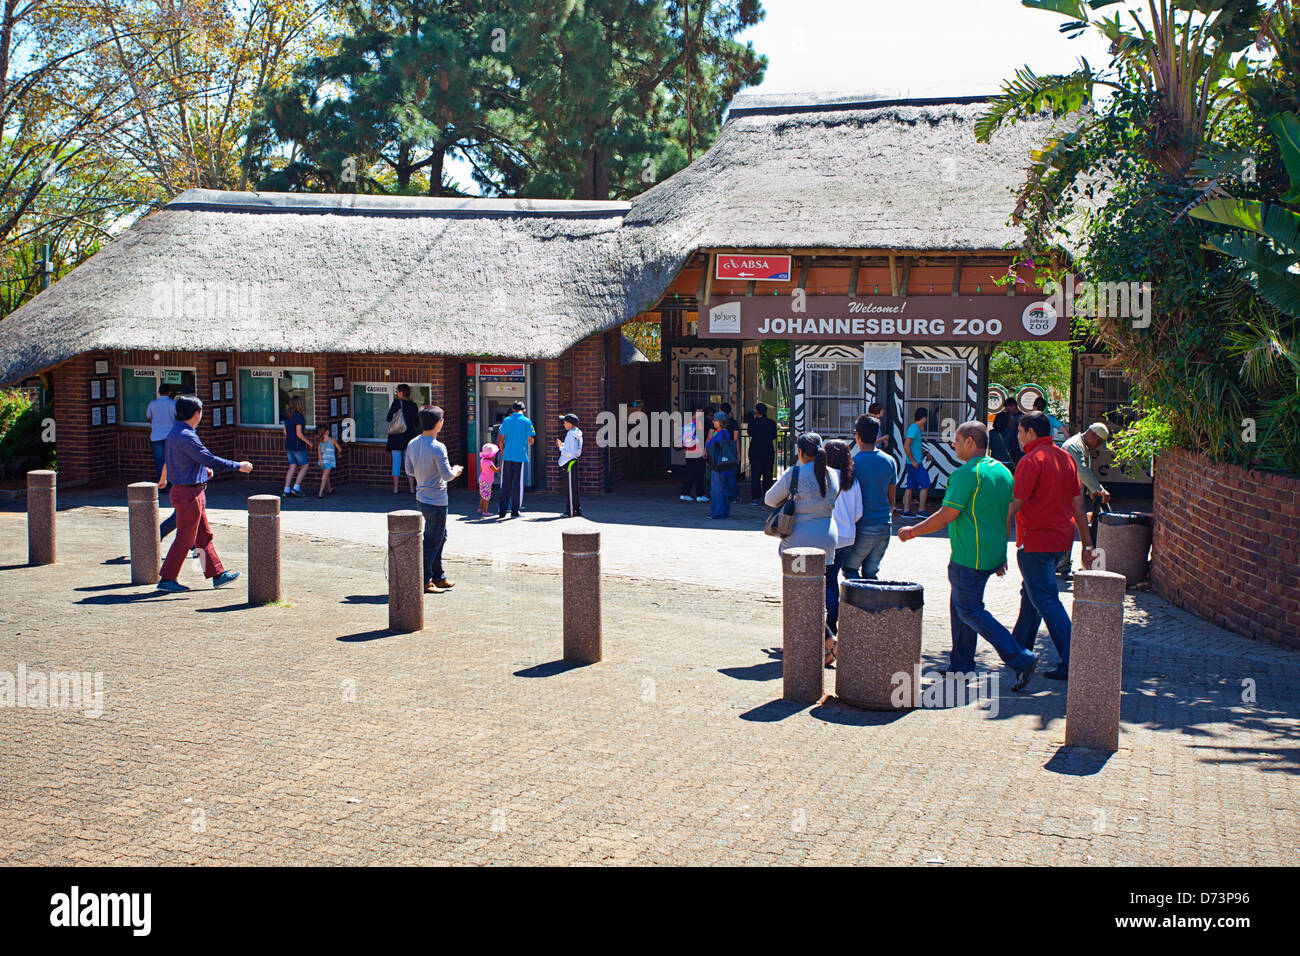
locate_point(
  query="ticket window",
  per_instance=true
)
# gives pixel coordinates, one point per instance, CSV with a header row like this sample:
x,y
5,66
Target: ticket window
x,y
939,388
833,397
702,381
1106,397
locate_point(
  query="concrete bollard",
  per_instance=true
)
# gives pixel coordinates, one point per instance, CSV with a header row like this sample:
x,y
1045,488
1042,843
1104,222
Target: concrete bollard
x,y
405,571
40,517
880,644
1125,538
582,595
1096,661
142,518
263,549
803,624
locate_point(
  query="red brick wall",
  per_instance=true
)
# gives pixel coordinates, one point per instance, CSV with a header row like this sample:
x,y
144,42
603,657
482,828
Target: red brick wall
x,y
85,452
588,400
1225,545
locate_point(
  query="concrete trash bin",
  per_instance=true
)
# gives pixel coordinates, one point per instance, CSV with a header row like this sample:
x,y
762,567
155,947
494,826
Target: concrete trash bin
x,y
1125,537
879,662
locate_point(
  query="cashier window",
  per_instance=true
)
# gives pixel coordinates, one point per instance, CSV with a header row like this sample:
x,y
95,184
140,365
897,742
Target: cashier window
x,y
939,388
1106,397
835,397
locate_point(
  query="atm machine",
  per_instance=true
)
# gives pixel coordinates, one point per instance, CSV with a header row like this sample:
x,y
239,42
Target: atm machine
x,y
491,388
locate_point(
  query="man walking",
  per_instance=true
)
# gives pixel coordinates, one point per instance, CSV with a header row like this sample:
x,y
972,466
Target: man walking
x,y
189,466
1081,447
570,451
916,476
515,435
762,453
974,510
877,478
427,463
1047,507
161,414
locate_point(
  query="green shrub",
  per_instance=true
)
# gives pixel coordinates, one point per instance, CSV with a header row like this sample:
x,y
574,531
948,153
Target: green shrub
x,y
21,447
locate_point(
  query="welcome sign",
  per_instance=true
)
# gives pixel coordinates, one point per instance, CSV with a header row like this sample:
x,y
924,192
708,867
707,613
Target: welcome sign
x,y
920,318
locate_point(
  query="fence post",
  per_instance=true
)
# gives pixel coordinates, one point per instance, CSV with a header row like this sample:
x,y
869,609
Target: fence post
x,y
40,517
263,549
581,595
803,622
405,571
142,519
1096,661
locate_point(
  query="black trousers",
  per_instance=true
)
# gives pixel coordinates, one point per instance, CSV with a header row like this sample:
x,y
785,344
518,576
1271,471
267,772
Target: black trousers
x,y
694,477
760,474
512,487
435,538
571,481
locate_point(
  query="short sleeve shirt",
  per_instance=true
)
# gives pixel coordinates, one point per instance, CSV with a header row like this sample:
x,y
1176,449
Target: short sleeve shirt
x,y
915,440
515,432
291,440
980,490
1047,481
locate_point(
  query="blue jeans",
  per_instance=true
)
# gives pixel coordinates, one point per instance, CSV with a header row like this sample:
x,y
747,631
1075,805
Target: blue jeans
x,y
833,585
866,552
733,483
970,616
160,456
719,495
435,537
1040,600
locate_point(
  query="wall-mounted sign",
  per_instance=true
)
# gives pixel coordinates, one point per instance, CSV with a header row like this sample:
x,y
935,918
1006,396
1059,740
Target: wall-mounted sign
x,y
338,383
701,370
110,413
757,268
171,377
997,398
820,366
299,380
101,366
1111,373
940,369
216,418
221,368
110,388
94,389
216,391
376,389
96,415
143,373
882,356
230,389
918,318
263,373
504,371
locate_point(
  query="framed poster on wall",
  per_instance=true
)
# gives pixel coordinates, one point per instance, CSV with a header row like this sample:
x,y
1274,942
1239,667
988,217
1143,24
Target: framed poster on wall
x,y
230,389
216,417
216,391
334,408
230,414
94,389
221,369
101,366
344,406
110,388
96,415
110,412
338,383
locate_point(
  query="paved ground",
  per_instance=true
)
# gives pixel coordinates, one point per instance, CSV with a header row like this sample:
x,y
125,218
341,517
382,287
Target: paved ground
x,y
305,733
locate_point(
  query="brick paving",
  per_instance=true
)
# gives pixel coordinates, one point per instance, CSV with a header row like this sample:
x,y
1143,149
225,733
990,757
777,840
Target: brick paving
x,y
305,734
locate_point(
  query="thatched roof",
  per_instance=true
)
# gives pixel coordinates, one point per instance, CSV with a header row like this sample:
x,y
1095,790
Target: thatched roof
x,y
525,279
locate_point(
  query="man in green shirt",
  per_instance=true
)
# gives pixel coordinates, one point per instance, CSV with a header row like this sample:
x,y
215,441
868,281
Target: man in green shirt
x,y
974,511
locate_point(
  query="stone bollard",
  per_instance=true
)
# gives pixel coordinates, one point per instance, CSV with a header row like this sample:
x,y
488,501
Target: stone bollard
x,y
803,624
1096,661
581,595
1125,539
405,571
263,549
142,518
878,665
40,517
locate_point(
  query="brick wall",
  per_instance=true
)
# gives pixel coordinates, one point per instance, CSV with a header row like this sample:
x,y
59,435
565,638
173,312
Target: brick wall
x,y
1226,543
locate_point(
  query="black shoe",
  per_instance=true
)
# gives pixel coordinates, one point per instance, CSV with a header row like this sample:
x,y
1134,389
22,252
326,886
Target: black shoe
x,y
514,514
1022,677
1057,673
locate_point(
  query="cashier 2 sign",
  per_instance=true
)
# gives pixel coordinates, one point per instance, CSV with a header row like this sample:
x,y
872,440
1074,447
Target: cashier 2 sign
x,y
725,318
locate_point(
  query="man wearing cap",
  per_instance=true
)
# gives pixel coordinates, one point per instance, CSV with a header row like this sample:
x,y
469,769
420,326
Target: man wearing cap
x,y
1080,448
570,451
515,435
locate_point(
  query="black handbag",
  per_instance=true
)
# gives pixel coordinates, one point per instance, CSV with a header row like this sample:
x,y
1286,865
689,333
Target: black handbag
x,y
780,522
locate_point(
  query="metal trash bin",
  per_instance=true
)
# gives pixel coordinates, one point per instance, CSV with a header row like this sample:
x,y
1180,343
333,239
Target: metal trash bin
x,y
1125,537
879,661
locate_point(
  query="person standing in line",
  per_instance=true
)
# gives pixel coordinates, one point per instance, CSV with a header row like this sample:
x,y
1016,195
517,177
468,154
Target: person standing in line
x,y
733,429
1046,508
487,476
516,438
427,463
189,464
974,511
570,451
998,450
847,514
720,450
1081,448
1058,429
161,415
762,451
877,477
296,444
693,446
815,489
1011,430
877,411
916,477
408,431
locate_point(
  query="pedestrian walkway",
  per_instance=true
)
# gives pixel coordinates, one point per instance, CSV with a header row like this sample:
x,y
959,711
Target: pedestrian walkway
x,y
304,733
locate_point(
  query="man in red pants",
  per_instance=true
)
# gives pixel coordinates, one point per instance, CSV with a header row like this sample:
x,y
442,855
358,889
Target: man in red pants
x,y
189,465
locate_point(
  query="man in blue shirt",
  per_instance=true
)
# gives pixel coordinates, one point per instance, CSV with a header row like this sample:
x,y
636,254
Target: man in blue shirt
x,y
515,435
161,413
188,467
877,478
916,476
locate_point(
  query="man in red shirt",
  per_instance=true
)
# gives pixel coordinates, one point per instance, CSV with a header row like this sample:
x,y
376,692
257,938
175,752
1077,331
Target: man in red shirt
x,y
1046,507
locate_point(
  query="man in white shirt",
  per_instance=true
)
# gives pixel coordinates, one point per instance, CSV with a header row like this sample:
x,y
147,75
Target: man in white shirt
x,y
570,451
161,415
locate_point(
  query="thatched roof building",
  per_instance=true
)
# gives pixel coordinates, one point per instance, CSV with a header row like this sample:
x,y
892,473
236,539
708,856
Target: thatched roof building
x,y
528,279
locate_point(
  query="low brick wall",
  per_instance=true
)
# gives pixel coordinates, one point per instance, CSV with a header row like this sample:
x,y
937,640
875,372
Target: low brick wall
x,y
1225,545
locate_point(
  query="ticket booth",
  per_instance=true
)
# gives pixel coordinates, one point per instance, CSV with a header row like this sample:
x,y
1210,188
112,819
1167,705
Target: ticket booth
x,y
491,388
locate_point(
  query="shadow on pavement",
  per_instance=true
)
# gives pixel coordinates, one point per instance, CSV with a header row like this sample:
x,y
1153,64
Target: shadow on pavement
x,y
549,669
365,599
1077,761
241,606
834,711
773,711
130,598
368,636
768,671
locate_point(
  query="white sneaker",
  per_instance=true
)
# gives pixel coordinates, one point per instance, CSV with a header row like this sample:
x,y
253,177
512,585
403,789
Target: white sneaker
x,y
686,498
702,498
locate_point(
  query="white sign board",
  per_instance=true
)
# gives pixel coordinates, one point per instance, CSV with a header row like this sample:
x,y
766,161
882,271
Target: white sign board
x,y
882,356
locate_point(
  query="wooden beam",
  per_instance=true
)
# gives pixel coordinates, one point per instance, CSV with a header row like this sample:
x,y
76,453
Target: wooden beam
x,y
907,273
893,276
804,266
956,277
853,276
749,289
704,279
710,268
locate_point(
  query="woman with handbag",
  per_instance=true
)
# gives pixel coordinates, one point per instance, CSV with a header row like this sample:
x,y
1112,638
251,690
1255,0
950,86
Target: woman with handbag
x,y
403,427
812,489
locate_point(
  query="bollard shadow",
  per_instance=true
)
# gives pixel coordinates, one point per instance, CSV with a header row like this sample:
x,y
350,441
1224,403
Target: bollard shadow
x,y
241,606
14,567
774,710
832,710
109,587
1077,761
365,599
550,668
132,598
770,670
364,636
122,560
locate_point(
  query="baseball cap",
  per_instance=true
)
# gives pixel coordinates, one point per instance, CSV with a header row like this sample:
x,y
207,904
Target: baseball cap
x,y
1100,430
570,417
